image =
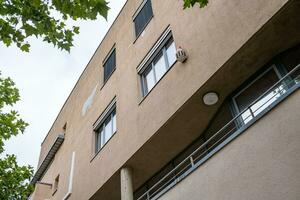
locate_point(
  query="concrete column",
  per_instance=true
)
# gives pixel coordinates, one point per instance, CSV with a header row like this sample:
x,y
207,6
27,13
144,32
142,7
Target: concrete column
x,y
126,184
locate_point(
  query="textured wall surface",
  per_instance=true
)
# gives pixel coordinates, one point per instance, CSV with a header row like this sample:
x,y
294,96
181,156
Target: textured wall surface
x,y
262,163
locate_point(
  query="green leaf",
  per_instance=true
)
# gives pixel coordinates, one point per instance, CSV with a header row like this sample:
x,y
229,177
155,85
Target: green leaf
x,y
191,3
25,47
21,19
76,29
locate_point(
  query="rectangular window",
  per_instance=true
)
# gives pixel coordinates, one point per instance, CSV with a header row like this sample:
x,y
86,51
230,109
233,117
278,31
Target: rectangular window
x,y
245,102
158,65
106,126
109,64
143,16
55,185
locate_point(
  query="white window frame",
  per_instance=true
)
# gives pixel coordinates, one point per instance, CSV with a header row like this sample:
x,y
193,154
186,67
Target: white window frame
x,y
159,49
99,127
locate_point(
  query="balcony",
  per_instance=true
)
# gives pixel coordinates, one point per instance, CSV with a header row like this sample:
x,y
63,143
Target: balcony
x,y
231,130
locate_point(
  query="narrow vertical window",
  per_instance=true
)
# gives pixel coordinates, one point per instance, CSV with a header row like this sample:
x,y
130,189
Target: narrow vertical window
x,y
143,16
109,64
55,185
106,126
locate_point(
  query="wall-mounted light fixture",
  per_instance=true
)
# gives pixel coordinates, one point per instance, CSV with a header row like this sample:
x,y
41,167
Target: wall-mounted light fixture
x,y
181,55
210,98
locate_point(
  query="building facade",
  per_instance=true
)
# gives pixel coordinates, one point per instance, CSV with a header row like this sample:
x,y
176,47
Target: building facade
x,y
144,124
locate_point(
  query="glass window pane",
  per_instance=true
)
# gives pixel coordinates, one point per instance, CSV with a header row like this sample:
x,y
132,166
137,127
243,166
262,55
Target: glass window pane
x,y
149,78
160,67
260,86
246,116
268,99
98,141
252,92
143,17
102,139
114,123
290,59
108,130
171,53
109,65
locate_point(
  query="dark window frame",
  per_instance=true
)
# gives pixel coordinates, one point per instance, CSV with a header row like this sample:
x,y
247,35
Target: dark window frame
x,y
136,14
105,63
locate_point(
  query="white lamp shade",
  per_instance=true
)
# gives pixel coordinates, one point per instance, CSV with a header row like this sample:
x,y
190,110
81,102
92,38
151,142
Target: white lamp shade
x,y
210,98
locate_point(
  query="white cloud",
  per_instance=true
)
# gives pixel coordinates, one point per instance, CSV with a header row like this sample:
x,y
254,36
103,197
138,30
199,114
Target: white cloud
x,y
45,77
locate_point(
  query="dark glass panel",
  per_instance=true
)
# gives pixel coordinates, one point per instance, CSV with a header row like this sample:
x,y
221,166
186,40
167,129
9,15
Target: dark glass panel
x,y
143,18
251,93
109,65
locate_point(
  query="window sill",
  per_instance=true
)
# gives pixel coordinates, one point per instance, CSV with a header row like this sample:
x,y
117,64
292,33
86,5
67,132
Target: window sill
x,y
96,154
144,97
138,36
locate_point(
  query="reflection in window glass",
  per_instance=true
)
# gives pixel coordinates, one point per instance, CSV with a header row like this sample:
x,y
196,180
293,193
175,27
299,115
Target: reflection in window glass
x,y
106,130
101,138
254,91
150,80
165,58
171,53
262,104
143,17
109,65
160,67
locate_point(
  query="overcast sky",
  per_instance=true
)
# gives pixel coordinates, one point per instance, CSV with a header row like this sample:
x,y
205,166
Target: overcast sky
x,y
45,78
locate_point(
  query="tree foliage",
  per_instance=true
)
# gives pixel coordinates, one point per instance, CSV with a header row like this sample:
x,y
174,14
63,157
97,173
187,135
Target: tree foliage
x,y
21,19
14,179
10,122
191,3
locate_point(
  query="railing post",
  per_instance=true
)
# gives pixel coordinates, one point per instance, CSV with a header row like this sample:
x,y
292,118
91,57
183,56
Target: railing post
x,y
192,161
251,112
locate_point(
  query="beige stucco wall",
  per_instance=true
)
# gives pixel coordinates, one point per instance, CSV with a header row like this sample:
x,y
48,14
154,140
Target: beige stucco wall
x,y
42,192
211,36
262,163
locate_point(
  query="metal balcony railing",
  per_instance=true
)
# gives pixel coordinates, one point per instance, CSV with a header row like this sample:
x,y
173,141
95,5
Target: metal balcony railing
x,y
285,86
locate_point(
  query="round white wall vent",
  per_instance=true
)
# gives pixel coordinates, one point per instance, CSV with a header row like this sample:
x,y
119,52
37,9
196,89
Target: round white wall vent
x,y
210,98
